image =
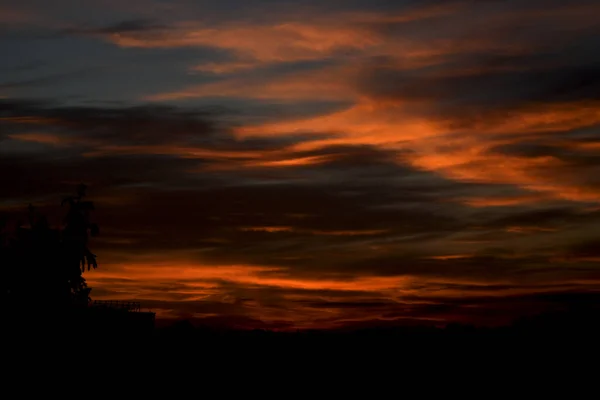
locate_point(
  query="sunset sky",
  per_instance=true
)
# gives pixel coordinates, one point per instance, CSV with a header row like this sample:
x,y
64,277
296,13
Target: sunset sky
x,y
315,164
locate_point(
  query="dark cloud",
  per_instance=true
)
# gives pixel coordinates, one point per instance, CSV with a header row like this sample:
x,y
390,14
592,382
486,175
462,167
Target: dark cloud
x,y
555,62
532,149
52,78
543,217
226,221
134,25
588,248
49,176
140,125
487,89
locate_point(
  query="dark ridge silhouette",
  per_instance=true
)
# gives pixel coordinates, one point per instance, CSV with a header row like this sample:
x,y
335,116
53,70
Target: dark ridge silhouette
x,y
43,287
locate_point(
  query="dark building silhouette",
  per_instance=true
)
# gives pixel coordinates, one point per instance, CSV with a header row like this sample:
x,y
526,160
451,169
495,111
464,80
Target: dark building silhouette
x,y
115,317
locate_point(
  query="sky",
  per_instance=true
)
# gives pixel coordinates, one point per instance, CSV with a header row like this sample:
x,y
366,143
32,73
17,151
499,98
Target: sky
x,y
315,164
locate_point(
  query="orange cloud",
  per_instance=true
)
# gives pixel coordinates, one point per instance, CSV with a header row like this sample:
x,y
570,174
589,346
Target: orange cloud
x,y
451,257
270,229
181,151
367,232
541,118
180,282
273,43
469,158
290,162
503,201
41,137
205,276
364,123
529,229
275,229
225,67
463,155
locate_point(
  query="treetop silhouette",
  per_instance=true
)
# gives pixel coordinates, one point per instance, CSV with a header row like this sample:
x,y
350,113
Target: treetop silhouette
x,y
45,266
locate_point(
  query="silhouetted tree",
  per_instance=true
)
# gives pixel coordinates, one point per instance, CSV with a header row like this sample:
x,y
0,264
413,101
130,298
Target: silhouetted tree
x,y
43,267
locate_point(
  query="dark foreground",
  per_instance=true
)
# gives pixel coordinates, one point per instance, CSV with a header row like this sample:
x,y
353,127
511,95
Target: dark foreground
x,y
122,335
182,360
